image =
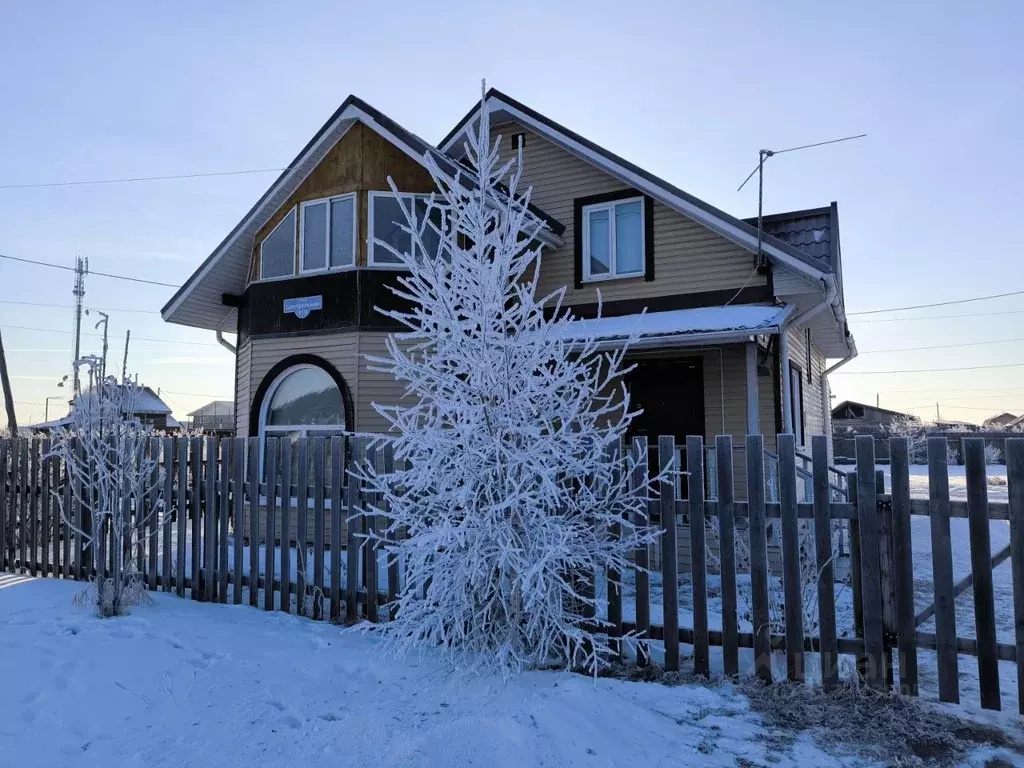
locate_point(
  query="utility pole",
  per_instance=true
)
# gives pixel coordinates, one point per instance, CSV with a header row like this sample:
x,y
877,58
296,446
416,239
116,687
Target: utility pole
x,y
81,270
124,365
5,381
878,400
938,416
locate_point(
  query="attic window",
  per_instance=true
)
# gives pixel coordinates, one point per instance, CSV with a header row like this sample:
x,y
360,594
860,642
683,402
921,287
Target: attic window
x,y
277,252
613,239
328,233
388,222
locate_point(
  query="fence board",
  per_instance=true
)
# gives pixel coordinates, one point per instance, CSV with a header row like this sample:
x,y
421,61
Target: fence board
x,y
254,521
871,583
827,641
614,586
320,479
855,571
5,482
82,516
1015,489
23,507
669,563
44,507
153,515
727,555
181,516
166,514
981,568
35,507
757,530
224,513
791,581
269,535
55,515
354,525
209,568
906,625
337,468
302,508
194,489
639,483
942,571
369,546
237,515
285,449
393,575
887,570
67,516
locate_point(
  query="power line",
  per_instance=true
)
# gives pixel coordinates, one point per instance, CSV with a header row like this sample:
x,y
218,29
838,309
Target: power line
x,y
971,389
141,178
71,306
929,370
91,272
196,394
942,317
941,346
769,152
100,335
938,303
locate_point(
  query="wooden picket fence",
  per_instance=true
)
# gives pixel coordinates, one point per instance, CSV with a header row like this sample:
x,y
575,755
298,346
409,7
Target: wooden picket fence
x,y
221,492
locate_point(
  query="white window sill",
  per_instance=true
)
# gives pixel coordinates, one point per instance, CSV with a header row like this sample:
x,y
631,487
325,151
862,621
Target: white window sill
x,y
610,278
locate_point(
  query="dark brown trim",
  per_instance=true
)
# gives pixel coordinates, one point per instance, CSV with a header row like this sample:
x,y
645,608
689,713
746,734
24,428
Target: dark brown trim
x,y
792,397
580,203
751,295
282,365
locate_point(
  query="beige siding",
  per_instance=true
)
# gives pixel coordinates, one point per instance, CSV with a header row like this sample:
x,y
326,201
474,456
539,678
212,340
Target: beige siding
x,y
374,387
242,390
688,257
814,398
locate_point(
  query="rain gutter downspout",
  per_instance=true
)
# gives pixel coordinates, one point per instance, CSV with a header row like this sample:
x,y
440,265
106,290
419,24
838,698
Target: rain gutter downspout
x,y
225,343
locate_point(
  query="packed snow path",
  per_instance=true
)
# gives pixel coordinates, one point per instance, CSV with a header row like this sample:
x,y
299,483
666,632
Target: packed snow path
x,y
180,683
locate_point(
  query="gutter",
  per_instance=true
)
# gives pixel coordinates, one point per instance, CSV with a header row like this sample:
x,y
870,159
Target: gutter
x,y
225,343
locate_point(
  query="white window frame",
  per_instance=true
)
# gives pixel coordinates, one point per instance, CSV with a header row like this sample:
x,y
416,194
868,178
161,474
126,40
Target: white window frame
x,y
403,196
327,256
294,209
613,273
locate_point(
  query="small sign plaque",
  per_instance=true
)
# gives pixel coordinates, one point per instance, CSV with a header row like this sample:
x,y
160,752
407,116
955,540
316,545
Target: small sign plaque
x,y
303,305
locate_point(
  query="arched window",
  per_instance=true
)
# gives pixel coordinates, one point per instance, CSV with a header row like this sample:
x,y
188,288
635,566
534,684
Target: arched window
x,y
303,401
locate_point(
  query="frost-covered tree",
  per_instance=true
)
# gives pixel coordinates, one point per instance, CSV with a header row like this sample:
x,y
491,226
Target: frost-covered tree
x,y
506,501
916,432
116,480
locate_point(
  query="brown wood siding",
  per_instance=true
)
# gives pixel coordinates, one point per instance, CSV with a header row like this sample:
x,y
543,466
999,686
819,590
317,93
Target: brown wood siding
x,y
359,162
688,257
242,390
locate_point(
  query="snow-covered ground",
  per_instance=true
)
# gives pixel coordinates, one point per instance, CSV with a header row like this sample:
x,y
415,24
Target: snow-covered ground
x,y
180,683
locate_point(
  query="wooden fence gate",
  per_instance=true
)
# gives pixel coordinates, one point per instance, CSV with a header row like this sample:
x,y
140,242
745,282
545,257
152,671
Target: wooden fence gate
x,y
234,520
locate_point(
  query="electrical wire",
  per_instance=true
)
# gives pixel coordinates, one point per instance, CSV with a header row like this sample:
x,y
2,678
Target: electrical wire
x,y
942,317
940,346
196,394
929,370
72,306
937,304
141,178
100,335
91,272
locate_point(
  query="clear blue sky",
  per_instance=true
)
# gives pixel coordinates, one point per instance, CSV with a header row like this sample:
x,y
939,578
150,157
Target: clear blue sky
x,y
930,202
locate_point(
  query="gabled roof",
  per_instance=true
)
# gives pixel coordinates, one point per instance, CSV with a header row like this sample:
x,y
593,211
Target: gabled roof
x,y
814,231
730,227
198,302
218,407
868,406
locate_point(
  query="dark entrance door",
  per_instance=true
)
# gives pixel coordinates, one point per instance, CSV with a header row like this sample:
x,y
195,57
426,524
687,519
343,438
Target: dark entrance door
x,y
671,394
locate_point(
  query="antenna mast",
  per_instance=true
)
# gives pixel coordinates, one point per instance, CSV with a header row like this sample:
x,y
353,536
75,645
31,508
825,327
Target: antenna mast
x,y
81,270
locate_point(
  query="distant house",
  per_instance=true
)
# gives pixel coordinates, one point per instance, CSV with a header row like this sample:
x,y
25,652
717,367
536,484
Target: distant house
x,y
149,409
216,417
851,416
956,426
1004,419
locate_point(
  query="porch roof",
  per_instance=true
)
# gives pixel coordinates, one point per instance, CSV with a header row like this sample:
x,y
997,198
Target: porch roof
x,y
685,327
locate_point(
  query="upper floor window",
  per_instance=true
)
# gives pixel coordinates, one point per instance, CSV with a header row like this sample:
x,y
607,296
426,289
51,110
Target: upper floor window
x,y
277,252
613,239
387,219
328,239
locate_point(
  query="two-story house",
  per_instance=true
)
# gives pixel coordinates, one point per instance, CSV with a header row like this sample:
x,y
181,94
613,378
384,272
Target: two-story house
x,y
735,339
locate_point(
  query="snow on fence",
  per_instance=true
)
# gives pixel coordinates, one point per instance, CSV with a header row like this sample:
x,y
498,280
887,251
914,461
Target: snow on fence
x,y
220,538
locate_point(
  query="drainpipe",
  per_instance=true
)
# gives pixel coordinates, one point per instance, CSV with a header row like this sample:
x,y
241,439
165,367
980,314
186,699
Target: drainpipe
x,y
831,292
225,343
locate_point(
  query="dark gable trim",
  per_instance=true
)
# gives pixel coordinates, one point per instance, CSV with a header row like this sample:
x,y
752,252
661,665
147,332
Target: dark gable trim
x,y
284,365
607,197
752,295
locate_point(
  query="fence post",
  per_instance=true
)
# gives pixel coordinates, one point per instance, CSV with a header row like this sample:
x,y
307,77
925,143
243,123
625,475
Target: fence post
x,y
669,564
981,567
727,554
828,646
758,530
887,569
871,581
946,651
1015,483
791,558
638,481
906,629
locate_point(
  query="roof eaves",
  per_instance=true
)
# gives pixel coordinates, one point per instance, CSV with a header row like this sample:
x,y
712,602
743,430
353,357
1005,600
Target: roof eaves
x,y
769,242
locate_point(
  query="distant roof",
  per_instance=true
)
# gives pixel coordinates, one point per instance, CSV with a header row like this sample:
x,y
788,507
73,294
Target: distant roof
x,y
1001,419
148,403
814,231
216,406
687,326
868,406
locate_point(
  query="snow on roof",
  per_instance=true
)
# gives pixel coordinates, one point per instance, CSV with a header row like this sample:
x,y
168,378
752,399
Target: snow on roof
x,y
690,325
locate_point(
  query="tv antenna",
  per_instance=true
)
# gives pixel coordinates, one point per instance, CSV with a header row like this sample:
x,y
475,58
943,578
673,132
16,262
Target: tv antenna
x,y
764,154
